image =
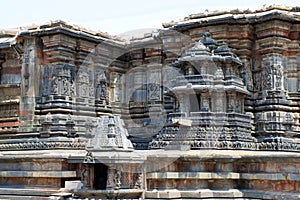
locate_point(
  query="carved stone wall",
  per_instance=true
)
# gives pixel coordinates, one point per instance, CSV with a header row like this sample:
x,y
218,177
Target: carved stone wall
x,y
91,75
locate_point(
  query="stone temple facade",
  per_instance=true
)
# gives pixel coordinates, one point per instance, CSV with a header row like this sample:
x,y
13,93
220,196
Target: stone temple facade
x,y
204,108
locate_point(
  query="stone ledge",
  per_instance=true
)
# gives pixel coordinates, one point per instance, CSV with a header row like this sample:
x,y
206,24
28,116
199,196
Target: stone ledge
x,y
192,175
270,176
199,194
261,194
110,194
14,197
26,191
220,194
39,174
214,154
223,175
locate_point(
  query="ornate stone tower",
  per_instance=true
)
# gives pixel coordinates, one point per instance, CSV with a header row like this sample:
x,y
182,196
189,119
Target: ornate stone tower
x,y
210,93
274,114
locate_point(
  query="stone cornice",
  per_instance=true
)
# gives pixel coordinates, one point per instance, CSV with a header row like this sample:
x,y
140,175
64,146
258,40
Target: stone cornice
x,y
236,17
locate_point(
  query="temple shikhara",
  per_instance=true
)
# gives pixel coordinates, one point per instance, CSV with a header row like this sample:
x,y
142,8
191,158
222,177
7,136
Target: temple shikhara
x,y
204,108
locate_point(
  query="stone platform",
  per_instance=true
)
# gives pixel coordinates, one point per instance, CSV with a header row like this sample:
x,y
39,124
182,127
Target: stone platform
x,y
193,174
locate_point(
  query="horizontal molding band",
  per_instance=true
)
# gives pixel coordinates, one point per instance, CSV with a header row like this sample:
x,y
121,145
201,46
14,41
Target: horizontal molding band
x,y
223,175
218,194
39,174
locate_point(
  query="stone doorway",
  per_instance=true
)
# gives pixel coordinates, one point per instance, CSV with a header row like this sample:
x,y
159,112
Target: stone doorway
x,y
194,102
100,176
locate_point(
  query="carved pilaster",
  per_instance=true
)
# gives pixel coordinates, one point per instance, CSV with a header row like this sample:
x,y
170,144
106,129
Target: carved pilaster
x,y
154,84
70,123
139,181
86,170
85,176
219,101
101,88
114,179
231,102
246,72
2,60
184,103
46,125
205,104
115,85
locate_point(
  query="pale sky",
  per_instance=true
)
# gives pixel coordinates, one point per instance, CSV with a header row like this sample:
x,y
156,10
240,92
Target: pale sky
x,y
117,16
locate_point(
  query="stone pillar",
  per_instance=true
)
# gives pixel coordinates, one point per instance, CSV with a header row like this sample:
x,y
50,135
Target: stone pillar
x,y
2,60
113,179
205,104
115,84
139,181
219,101
184,103
247,72
86,176
238,108
242,104
154,82
46,126
231,102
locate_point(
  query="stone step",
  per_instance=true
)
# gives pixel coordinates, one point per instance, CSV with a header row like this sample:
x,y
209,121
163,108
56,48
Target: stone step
x,y
26,193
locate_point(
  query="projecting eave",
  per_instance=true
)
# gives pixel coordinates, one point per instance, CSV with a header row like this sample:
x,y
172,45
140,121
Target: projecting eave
x,y
195,58
7,42
189,88
56,27
227,59
237,17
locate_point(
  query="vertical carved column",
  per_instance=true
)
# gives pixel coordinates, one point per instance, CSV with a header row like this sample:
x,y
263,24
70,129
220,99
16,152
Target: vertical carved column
x,y
113,179
154,83
2,60
110,178
184,104
111,133
238,104
30,84
247,72
86,170
46,124
70,124
219,101
139,181
101,88
86,176
205,102
115,84
231,102
83,85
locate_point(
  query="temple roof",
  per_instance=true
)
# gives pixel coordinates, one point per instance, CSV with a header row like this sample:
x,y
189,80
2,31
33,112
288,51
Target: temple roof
x,y
55,27
241,16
